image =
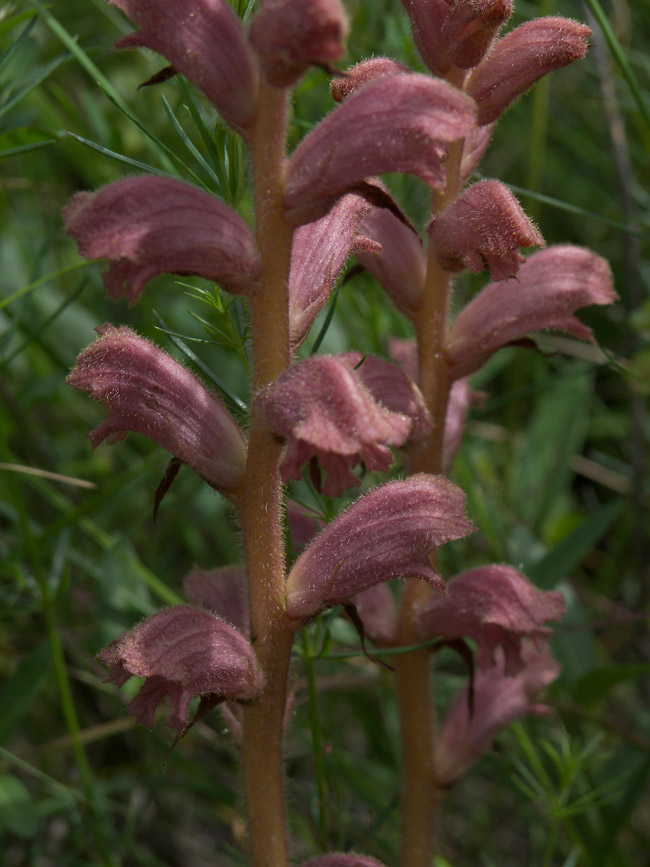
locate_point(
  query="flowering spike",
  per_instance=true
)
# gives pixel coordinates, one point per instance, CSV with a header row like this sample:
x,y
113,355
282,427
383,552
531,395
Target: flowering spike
x,y
321,406
363,73
148,225
521,58
146,391
318,253
496,606
549,286
388,533
400,263
204,40
223,591
183,652
394,124
483,228
289,36
498,701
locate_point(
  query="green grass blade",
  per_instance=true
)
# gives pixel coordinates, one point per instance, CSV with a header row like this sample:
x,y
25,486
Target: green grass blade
x,y
189,144
34,82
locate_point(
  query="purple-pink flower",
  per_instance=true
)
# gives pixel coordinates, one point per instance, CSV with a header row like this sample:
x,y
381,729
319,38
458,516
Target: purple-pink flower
x,y
183,652
146,226
146,391
387,533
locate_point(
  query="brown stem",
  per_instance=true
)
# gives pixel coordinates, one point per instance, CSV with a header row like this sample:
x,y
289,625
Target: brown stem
x,y
420,794
261,506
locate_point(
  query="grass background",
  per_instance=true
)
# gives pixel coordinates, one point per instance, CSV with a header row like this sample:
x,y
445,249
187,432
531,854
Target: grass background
x,y
555,465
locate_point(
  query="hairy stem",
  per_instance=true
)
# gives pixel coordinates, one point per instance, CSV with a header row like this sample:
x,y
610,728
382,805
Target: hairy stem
x,y
420,794
261,509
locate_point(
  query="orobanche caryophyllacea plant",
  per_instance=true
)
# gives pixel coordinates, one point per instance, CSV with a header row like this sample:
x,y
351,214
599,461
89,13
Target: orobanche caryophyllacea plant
x,y
324,415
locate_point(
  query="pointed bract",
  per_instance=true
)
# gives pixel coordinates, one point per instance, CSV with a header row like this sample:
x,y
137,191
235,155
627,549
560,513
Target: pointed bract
x,y
363,73
146,391
205,41
495,606
400,264
388,533
548,287
223,591
183,652
321,406
394,124
483,228
521,58
146,226
318,253
498,701
289,36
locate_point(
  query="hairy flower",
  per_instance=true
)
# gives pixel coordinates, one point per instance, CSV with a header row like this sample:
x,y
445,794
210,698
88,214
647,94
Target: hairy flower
x,y
331,412
183,652
318,253
146,391
549,286
205,41
395,124
289,36
498,701
387,533
496,606
342,859
363,73
521,58
483,228
223,591
146,226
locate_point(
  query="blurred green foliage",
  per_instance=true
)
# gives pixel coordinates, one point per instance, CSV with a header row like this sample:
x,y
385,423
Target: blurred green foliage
x,y
554,462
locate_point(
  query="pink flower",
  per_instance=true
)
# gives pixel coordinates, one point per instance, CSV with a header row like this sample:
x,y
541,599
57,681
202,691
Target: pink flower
x,y
387,533
483,228
148,392
326,411
149,225
183,652
394,124
318,254
495,606
400,262
379,614
223,591
521,58
498,701
448,32
363,73
342,859
289,36
204,40
548,287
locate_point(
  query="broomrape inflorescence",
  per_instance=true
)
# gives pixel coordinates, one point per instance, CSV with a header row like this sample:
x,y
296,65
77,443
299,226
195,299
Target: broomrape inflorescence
x,y
313,209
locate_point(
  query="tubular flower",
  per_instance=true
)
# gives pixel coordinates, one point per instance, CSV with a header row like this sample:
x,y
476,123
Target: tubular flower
x,y
455,32
395,124
549,286
146,391
483,228
205,41
289,36
223,591
496,606
342,859
521,58
498,701
183,652
399,264
325,411
146,226
363,73
387,533
318,253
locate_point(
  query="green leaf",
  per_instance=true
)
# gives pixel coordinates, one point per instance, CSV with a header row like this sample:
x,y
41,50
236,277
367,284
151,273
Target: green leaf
x,y
20,689
17,814
594,686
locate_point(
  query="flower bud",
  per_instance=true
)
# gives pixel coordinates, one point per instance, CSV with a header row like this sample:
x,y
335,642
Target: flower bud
x,y
289,36
363,73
